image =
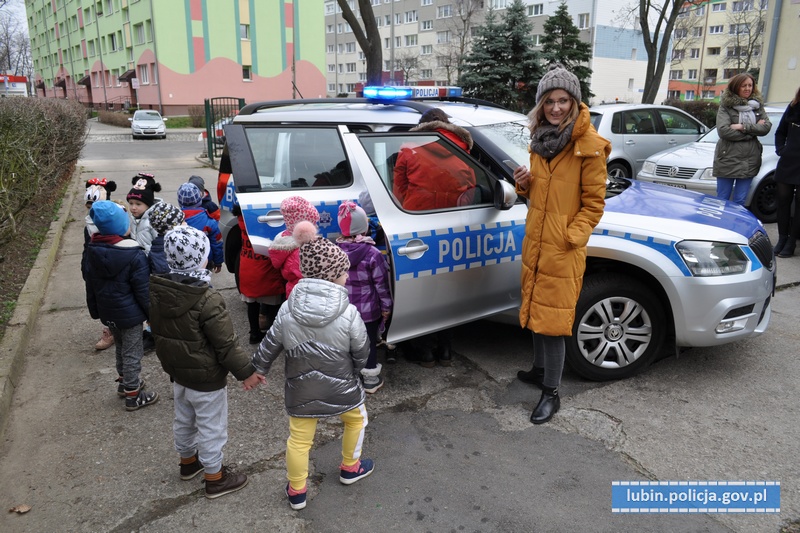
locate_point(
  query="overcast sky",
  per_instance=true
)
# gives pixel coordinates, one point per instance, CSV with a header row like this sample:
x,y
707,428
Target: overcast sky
x,y
18,8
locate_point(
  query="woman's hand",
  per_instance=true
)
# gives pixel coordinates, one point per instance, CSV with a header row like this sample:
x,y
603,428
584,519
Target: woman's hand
x,y
737,127
522,176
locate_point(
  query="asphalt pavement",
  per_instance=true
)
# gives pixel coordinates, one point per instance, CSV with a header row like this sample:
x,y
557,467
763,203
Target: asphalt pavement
x,y
453,446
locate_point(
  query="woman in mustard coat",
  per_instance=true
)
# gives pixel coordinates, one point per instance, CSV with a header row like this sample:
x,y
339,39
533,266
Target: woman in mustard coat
x,y
565,189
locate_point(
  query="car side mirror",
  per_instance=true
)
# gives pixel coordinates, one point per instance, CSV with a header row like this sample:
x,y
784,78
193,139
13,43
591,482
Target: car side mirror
x,y
164,119
130,120
505,195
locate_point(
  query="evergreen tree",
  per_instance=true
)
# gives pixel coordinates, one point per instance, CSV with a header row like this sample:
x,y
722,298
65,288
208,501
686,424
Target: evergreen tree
x,y
486,72
502,66
561,44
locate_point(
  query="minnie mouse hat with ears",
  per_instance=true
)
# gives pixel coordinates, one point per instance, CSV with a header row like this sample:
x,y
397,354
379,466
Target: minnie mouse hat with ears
x,y
144,188
98,189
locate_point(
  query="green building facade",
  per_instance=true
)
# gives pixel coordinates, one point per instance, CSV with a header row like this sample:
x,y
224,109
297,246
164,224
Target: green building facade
x,y
172,54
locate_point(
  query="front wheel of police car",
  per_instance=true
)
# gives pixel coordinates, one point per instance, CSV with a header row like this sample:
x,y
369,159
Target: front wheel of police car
x,y
619,328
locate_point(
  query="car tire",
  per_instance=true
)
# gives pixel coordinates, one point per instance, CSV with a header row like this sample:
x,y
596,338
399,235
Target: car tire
x,y
618,170
764,204
619,328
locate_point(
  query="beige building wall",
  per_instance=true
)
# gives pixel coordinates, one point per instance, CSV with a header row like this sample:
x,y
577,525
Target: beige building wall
x,y
781,72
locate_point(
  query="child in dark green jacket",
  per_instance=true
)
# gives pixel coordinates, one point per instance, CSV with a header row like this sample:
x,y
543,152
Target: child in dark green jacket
x,y
197,347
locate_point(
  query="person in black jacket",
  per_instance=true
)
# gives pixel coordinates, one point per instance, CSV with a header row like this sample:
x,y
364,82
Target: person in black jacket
x,y
117,278
787,176
197,347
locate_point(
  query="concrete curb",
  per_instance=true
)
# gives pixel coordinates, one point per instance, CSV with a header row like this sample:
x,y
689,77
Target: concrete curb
x,y
22,323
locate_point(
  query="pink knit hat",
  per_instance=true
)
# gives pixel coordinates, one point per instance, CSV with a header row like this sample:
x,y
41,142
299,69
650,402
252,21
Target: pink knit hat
x,y
352,219
296,208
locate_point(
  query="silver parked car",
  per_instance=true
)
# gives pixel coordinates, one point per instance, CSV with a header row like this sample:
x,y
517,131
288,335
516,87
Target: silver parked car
x,y
637,131
148,123
690,167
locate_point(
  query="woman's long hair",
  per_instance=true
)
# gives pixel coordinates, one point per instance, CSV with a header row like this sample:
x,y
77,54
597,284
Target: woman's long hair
x,y
796,97
738,80
537,118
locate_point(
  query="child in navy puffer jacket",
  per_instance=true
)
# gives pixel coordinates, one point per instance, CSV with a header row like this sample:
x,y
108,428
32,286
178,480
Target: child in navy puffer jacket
x,y
190,200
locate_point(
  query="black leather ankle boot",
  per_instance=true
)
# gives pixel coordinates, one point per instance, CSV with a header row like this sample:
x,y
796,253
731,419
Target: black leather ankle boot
x,y
780,244
548,405
788,248
534,376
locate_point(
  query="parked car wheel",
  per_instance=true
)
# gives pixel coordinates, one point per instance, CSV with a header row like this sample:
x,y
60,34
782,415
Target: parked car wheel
x,y
765,201
619,328
618,170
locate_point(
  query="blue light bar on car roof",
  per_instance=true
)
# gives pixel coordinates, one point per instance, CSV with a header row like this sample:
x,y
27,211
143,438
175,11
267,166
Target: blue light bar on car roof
x,y
404,92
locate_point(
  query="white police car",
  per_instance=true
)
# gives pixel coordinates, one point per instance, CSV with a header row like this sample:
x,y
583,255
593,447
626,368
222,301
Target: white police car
x,y
662,263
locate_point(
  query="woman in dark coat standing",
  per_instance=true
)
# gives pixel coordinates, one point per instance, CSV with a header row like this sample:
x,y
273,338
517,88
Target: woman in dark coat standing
x,y
787,176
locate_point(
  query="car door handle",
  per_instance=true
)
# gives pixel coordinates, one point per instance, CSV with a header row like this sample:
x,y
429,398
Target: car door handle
x,y
630,143
270,219
413,249
672,142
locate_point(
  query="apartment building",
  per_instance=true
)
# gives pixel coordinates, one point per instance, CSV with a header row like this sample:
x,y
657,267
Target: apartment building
x,y
712,42
170,55
780,73
423,39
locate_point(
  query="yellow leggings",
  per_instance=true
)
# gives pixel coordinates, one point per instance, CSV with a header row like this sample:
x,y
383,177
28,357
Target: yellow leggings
x,y
301,437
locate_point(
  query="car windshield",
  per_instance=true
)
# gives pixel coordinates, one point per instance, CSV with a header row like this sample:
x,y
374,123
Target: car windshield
x,y
147,115
511,137
767,140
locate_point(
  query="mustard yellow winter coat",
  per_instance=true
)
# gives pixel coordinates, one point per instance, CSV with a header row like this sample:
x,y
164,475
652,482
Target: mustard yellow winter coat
x,y
566,200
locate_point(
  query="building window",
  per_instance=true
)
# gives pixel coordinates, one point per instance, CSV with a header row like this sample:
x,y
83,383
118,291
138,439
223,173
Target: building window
x,y
387,43
710,75
247,75
387,65
426,25
331,49
741,6
684,12
244,32
331,67
630,84
728,73
426,74
398,42
351,67
411,16
714,30
583,21
714,51
689,96
144,75
674,95
739,29
675,74
109,7
680,33
427,2
692,75
700,11
697,31
734,51
718,7
411,40
499,4
537,40
535,9
427,49
708,94
388,19
678,54
445,11
351,87
138,32
329,28
154,71
112,41
340,48
350,47
694,53
331,87
442,37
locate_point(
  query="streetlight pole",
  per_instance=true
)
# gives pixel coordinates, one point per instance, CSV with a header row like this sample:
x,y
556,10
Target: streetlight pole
x,y
391,48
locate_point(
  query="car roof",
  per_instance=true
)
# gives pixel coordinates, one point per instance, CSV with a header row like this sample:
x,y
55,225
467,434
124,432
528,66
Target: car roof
x,y
352,111
604,108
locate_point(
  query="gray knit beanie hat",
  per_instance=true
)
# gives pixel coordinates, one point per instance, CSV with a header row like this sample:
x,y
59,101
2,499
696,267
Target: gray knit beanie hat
x,y
559,77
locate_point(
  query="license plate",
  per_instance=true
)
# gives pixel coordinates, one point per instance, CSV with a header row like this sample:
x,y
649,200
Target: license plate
x,y
676,185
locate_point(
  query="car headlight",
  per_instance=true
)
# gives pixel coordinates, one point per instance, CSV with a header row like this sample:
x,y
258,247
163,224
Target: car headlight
x,y
649,167
706,258
708,174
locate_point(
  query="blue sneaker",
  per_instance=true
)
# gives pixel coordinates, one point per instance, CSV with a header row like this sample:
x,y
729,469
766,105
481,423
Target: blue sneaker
x,y
298,501
364,469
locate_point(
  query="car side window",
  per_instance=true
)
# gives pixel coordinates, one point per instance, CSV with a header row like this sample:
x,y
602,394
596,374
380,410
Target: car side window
x,y
640,122
678,124
425,172
298,158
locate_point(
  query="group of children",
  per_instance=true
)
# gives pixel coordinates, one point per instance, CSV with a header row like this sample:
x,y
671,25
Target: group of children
x,y
321,303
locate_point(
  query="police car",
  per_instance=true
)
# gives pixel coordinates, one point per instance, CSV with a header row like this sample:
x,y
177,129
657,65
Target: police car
x,y
663,264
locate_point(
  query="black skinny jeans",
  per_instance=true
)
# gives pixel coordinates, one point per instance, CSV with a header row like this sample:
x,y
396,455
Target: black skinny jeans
x,y
786,224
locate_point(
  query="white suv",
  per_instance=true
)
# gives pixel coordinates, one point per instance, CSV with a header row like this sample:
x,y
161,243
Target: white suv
x,y
662,264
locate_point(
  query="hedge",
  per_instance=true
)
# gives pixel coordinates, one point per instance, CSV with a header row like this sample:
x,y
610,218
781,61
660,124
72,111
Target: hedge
x,y
40,138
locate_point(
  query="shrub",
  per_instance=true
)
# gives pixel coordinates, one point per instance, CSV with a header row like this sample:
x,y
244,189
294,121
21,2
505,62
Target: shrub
x,y
703,110
197,115
40,139
114,118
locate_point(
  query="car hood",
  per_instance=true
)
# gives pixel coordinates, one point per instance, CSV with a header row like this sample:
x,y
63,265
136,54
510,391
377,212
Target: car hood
x,y
699,155
678,214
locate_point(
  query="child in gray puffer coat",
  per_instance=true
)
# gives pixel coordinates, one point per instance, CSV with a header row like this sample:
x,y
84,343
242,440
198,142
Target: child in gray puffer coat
x,y
325,344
